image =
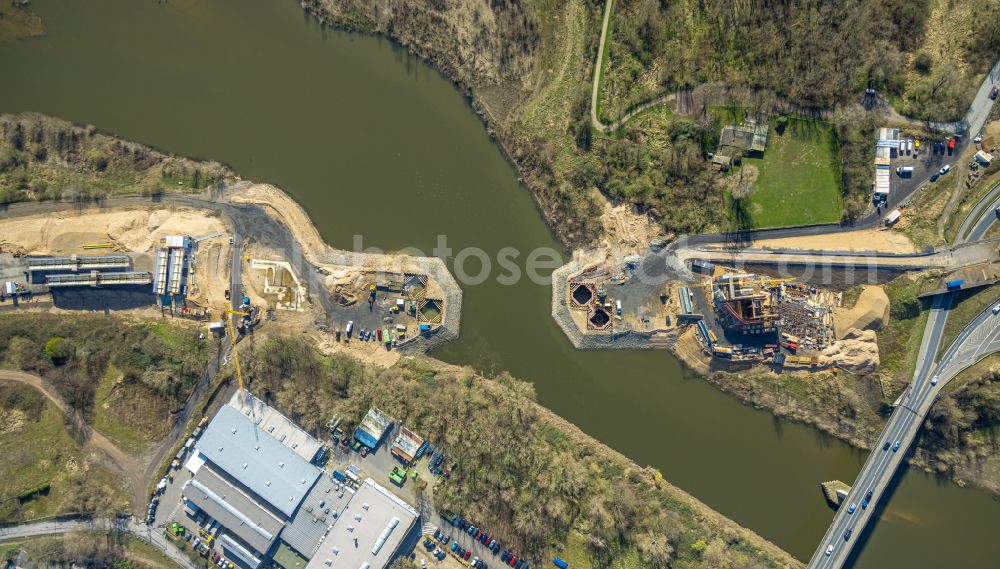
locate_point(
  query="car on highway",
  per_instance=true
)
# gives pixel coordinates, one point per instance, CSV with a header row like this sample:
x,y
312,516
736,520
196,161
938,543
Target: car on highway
x,y
944,169
996,309
829,549
851,509
847,534
895,447
868,496
934,379
998,212
885,446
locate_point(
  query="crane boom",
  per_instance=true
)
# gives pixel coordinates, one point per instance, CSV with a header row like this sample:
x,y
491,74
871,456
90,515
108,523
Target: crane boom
x,y
236,355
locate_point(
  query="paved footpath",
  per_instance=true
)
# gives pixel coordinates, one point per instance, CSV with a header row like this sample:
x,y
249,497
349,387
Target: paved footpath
x,y
132,527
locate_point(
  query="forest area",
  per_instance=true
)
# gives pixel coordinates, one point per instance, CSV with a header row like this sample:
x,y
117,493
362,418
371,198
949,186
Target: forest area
x,y
44,158
805,56
518,471
814,54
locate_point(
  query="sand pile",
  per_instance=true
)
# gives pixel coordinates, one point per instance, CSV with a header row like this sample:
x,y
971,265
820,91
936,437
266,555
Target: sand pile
x,y
856,353
130,230
870,312
859,241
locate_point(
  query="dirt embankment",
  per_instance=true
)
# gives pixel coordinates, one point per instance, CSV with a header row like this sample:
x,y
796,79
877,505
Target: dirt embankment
x,y
870,312
881,241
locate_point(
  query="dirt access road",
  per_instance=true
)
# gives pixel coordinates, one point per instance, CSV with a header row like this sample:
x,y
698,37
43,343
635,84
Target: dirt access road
x,y
129,465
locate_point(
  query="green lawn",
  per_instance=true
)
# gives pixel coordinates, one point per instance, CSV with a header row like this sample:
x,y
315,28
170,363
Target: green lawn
x,y
799,177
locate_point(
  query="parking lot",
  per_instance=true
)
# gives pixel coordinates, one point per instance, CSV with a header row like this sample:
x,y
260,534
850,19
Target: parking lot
x,y
378,464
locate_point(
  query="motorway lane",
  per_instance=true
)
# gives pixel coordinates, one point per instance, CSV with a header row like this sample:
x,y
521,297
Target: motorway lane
x,y
980,337
987,206
875,466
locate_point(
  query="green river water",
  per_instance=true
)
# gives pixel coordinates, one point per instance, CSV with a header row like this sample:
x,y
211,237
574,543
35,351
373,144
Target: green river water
x,y
373,142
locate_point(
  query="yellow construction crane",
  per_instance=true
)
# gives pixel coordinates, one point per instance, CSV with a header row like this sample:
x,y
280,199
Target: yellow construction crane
x,y
236,356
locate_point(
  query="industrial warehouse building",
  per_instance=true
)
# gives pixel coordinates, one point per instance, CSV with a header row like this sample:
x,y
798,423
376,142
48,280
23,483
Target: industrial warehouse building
x,y
372,428
278,427
369,533
252,474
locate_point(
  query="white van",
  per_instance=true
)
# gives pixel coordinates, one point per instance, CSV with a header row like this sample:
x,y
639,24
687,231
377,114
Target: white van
x,y
905,171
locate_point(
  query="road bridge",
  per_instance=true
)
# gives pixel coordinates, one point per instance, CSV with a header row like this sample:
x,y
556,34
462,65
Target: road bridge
x,y
978,339
946,258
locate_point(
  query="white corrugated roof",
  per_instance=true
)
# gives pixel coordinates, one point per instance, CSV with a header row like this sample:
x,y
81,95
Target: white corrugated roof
x,y
265,466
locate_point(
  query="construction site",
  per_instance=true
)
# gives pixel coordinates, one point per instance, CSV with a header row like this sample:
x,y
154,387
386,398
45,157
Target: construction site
x,y
725,318
180,261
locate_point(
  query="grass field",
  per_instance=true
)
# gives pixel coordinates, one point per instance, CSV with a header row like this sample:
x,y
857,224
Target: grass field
x,y
130,414
37,447
799,177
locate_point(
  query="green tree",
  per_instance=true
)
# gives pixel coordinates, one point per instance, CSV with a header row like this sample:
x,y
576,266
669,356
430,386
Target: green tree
x,y
59,350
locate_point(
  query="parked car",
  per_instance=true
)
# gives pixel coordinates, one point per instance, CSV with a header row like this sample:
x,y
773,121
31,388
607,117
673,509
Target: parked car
x,y
934,177
503,556
944,169
467,555
454,547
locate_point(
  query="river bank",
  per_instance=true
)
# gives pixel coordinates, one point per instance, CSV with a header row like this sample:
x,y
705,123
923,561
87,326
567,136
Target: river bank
x,y
417,176
280,224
